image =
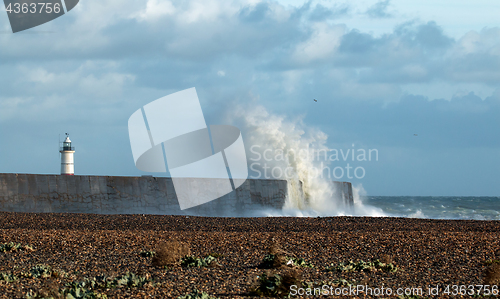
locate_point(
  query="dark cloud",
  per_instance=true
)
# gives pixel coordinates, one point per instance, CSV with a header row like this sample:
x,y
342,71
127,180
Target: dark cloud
x,y
464,122
321,13
379,10
357,42
416,53
256,13
430,35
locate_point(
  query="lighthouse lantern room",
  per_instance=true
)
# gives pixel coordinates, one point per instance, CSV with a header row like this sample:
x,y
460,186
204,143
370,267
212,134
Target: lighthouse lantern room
x,y
67,159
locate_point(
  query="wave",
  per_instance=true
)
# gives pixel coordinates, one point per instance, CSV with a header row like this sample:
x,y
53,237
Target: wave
x,y
293,145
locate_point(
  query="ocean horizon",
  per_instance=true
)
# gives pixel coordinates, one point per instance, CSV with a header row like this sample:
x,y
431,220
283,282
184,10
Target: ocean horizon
x,y
437,207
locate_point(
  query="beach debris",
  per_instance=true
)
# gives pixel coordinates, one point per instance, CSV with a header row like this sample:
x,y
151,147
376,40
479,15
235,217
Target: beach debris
x,y
270,261
274,284
88,288
299,262
170,253
147,253
38,271
128,280
192,261
43,271
11,246
386,259
7,277
277,257
362,266
274,261
491,261
81,290
492,274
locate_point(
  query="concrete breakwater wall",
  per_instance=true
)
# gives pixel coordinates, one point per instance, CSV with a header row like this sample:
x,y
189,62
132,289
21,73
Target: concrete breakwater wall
x,y
134,195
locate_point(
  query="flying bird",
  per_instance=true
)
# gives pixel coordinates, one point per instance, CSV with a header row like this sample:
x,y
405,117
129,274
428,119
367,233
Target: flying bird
x,y
415,134
315,100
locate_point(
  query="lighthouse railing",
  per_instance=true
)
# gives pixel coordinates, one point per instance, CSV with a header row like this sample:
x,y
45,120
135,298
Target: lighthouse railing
x,y
66,148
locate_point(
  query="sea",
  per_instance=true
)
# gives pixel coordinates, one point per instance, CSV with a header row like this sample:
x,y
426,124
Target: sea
x,y
435,207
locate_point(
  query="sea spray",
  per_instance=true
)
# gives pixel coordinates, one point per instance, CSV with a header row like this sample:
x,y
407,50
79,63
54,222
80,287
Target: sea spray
x,y
277,135
358,194
280,148
362,209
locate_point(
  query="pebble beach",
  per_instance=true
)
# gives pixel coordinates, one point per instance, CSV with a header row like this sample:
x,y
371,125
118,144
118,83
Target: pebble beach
x,y
427,253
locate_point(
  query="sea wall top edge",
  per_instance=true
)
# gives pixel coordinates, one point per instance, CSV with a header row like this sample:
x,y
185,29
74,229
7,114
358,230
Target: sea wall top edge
x,y
123,176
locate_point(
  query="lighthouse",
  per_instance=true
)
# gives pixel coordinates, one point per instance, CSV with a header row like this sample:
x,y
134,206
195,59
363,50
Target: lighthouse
x,y
67,160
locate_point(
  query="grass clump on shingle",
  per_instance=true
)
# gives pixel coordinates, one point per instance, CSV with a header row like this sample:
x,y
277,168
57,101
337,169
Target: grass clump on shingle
x,y
491,261
362,266
89,288
274,285
147,253
7,277
38,271
192,261
127,280
277,258
11,246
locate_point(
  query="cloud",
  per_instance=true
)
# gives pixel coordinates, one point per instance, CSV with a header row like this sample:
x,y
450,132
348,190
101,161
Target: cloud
x,y
256,13
264,34
431,36
257,41
321,13
156,9
321,45
379,10
84,93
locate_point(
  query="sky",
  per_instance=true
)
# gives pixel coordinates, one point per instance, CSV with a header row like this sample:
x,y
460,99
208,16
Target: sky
x,y
416,80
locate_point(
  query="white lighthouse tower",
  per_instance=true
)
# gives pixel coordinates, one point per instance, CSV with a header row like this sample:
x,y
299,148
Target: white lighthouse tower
x,y
67,160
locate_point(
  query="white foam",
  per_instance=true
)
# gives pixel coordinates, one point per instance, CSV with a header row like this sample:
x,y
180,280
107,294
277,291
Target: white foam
x,y
309,194
417,214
